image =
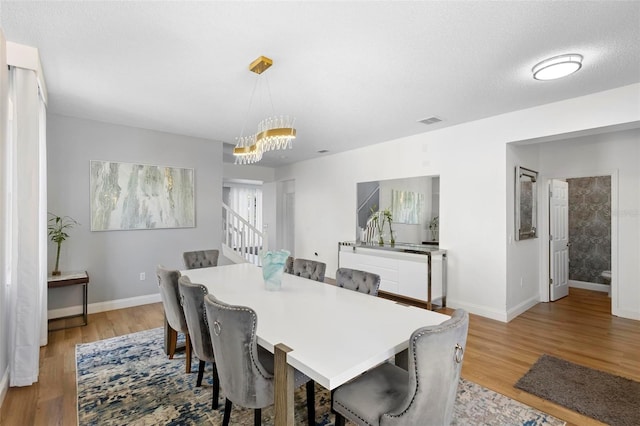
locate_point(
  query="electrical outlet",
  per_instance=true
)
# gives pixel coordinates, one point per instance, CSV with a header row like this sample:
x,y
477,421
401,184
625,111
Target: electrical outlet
x,y
143,276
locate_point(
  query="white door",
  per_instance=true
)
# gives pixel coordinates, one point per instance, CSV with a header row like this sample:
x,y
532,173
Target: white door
x,y
558,239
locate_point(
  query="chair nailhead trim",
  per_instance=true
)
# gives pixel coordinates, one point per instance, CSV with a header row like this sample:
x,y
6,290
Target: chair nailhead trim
x,y
253,331
351,411
413,344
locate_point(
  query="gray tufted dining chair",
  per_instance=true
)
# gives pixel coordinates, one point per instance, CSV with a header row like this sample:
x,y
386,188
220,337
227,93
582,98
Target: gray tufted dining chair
x,y
170,295
310,269
423,395
200,258
361,281
246,369
192,298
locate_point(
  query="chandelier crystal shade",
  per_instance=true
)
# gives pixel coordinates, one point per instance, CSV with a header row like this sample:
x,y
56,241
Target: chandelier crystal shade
x,y
274,133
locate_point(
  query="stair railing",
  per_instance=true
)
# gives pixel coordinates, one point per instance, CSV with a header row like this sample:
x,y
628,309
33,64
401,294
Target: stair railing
x,y
242,237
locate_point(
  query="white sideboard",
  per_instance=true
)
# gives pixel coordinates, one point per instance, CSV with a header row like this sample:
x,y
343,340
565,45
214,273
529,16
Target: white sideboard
x,y
411,271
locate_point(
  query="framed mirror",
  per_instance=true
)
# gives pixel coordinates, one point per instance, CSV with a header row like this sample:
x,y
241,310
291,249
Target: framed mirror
x,y
526,204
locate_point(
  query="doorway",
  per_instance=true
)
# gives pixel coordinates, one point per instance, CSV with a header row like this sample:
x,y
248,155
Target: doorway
x,y
589,260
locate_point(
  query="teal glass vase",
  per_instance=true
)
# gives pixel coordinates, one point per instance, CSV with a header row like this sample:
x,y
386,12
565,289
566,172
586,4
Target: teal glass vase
x,y
273,263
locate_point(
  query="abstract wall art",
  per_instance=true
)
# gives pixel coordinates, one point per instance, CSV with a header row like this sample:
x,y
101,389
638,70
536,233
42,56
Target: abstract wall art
x,y
406,206
137,196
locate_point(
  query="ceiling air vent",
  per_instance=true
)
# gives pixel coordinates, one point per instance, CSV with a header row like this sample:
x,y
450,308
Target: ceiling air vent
x,y
431,120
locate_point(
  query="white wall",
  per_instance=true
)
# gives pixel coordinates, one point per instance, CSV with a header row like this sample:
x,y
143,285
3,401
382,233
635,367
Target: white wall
x,y
616,154
471,160
114,259
248,172
523,257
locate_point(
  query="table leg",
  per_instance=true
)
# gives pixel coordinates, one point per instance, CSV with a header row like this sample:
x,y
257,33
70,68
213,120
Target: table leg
x,y
444,280
429,307
283,386
85,302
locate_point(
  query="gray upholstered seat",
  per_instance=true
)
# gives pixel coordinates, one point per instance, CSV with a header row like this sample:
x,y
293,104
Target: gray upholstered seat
x,y
423,395
246,369
310,269
192,298
200,259
170,295
361,281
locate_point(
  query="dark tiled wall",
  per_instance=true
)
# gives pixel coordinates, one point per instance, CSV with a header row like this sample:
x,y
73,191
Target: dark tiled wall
x,y
589,228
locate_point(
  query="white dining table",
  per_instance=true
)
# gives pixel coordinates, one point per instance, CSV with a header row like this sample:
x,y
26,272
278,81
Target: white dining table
x,y
330,334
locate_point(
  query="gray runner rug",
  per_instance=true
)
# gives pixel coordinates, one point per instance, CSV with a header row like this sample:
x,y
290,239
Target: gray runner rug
x,y
605,397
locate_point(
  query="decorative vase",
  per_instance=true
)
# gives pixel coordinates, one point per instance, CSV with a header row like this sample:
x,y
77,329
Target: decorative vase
x,y
273,267
392,238
56,271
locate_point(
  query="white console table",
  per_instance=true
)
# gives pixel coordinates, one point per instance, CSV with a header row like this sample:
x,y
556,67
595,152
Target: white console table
x,y
411,271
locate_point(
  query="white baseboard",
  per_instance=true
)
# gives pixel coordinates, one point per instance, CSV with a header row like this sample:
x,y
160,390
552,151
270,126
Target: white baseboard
x,y
590,286
623,313
4,385
494,314
477,310
522,307
110,305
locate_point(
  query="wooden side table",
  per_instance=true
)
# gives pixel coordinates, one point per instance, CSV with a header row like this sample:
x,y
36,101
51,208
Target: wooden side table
x,y
64,280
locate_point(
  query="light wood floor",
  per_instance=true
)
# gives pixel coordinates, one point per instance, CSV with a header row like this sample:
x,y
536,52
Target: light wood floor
x,y
578,328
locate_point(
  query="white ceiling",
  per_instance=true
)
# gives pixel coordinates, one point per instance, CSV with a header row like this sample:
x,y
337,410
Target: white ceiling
x,y
353,73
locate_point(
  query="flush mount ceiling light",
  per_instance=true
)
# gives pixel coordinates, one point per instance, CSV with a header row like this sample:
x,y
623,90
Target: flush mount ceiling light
x,y
557,67
275,132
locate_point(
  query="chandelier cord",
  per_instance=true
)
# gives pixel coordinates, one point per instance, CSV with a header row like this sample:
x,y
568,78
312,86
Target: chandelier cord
x,y
246,117
273,110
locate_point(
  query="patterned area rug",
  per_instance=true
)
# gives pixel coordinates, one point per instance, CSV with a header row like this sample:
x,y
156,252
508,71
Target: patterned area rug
x,y
129,380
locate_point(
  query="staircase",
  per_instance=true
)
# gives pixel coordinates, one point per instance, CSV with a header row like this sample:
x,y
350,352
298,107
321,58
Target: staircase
x,y
241,241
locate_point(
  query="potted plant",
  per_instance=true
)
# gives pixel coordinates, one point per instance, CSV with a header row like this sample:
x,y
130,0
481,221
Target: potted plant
x,y
58,227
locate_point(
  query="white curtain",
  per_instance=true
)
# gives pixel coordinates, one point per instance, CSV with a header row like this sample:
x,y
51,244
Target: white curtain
x,y
26,209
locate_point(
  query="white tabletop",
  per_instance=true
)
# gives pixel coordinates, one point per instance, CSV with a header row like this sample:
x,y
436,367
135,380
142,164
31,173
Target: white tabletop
x,y
335,334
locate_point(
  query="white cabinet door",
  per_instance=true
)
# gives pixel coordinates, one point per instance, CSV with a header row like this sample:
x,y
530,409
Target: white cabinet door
x,y
413,279
404,274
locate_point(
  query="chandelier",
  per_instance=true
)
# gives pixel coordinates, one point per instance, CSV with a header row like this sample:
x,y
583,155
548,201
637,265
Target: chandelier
x,y
274,133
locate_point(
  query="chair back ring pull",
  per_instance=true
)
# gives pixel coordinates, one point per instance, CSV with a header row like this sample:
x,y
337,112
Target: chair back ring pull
x,y
459,353
216,328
